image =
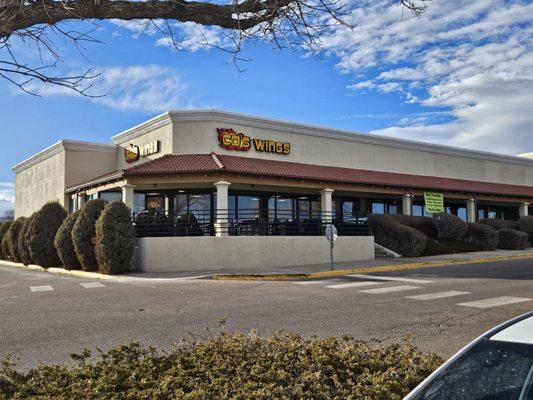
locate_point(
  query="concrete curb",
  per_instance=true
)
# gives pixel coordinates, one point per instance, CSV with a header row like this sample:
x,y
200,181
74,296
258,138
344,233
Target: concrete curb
x,y
359,270
97,275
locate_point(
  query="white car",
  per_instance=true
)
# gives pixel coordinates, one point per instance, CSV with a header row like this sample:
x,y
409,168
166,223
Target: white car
x,y
496,366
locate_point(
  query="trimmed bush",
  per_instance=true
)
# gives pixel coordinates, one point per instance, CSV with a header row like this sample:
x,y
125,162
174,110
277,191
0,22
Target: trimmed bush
x,y
484,236
12,239
500,223
63,243
231,366
449,226
24,241
401,239
426,225
526,224
115,239
511,239
84,232
4,251
42,232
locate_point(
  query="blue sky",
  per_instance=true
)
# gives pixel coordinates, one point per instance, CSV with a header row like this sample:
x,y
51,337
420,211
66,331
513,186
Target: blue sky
x,y
462,74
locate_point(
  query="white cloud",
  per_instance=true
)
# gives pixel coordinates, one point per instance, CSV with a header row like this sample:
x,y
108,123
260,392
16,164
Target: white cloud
x,y
474,57
193,37
144,88
7,197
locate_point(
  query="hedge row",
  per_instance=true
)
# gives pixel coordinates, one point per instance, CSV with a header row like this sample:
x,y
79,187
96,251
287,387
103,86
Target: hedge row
x,y
444,232
231,366
98,237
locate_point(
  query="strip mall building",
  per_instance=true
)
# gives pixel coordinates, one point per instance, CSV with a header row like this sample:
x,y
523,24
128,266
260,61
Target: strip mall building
x,y
263,180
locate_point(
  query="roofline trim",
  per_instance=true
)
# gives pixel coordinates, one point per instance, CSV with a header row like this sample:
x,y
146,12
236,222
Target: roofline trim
x,y
60,146
97,181
212,115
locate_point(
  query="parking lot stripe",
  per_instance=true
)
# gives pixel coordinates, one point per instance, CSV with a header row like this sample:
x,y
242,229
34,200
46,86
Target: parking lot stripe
x,y
44,288
390,278
437,295
354,284
390,289
494,302
316,282
90,285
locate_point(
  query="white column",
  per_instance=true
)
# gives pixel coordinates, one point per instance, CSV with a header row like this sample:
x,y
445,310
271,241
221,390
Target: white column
x,y
221,225
524,209
407,204
326,204
471,210
81,199
127,195
167,204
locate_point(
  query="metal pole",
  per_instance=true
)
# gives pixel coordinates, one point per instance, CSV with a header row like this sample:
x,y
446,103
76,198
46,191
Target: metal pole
x,y
331,252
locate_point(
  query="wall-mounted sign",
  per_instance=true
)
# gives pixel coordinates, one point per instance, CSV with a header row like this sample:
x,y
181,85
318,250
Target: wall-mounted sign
x,y
434,202
231,140
133,152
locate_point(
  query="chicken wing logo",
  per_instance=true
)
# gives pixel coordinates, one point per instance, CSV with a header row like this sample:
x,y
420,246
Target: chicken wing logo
x,y
131,153
231,140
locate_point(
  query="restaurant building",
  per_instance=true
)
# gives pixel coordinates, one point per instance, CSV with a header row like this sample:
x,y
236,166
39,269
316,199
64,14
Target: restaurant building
x,y
219,174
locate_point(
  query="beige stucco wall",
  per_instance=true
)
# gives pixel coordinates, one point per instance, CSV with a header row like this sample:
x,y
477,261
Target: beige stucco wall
x,y
165,254
39,184
82,165
201,137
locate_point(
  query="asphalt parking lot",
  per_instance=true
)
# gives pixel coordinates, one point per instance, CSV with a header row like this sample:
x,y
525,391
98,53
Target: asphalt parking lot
x,y
45,316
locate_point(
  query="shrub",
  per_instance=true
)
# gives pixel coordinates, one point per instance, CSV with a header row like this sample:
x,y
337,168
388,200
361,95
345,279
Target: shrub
x,y
449,226
499,223
84,232
511,239
42,232
12,239
526,223
426,225
24,241
231,366
115,239
399,238
63,243
4,251
485,236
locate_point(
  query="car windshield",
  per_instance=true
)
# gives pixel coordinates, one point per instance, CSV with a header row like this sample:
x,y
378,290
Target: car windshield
x,y
491,370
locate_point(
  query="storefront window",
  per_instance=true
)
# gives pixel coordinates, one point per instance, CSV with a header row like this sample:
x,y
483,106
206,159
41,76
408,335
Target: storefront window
x,y
139,202
280,208
304,211
110,196
155,202
200,206
249,207
180,204
378,208
418,210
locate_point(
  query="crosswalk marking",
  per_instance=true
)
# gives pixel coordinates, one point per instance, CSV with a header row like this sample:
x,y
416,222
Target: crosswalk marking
x,y
353,284
390,289
44,288
390,278
494,302
90,285
437,295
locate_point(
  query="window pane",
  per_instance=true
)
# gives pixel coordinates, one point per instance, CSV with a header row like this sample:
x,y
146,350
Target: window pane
x,y
110,196
461,213
315,209
180,204
200,206
139,202
378,208
303,209
285,209
393,209
248,207
155,202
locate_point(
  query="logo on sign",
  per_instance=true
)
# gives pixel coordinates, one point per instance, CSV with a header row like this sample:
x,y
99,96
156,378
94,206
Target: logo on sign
x,y
231,140
133,152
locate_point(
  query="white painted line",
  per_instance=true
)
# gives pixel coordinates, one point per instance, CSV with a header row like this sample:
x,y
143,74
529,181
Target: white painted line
x,y
390,289
314,282
494,302
437,295
90,285
390,278
354,284
44,288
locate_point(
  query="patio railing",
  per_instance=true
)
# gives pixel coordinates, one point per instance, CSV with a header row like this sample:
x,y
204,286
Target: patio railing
x,y
245,223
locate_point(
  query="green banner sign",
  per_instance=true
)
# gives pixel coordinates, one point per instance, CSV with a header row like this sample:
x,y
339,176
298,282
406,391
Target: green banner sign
x,y
434,202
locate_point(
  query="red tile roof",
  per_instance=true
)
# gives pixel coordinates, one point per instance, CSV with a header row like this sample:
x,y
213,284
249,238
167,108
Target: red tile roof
x,y
191,163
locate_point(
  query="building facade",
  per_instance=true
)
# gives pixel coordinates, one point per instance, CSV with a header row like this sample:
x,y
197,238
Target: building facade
x,y
221,167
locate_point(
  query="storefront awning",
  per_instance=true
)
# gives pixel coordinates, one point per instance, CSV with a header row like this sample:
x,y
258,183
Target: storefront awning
x,y
177,164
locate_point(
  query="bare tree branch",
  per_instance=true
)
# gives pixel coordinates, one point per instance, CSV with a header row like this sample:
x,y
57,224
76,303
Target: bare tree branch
x,y
285,23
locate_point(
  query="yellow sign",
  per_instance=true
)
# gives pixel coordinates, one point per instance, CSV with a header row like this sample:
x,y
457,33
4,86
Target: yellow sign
x,y
231,140
434,202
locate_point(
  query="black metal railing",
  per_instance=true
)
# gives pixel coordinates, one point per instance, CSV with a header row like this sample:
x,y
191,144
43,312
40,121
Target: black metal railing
x,y
245,223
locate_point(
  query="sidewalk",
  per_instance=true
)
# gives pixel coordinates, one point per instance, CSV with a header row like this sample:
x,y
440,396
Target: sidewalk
x,y
301,272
